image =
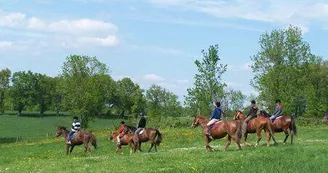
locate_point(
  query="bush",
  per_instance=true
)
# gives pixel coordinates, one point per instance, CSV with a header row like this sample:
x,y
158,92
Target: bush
x,y
37,114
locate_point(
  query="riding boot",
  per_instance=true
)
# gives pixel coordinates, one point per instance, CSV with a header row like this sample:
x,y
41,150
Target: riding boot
x,y
208,133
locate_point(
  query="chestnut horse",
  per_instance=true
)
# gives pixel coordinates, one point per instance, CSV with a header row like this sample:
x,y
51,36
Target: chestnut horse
x,y
148,134
125,140
283,124
256,125
232,128
81,137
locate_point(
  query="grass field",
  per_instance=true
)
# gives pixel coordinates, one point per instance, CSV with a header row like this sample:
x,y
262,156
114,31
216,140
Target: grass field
x,y
182,150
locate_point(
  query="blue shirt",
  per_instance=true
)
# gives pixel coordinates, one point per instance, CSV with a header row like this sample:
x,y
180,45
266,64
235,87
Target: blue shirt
x,y
216,114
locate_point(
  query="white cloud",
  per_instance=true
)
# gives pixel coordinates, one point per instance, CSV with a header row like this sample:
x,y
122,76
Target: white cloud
x,y
162,50
108,41
245,67
78,33
299,13
5,44
153,77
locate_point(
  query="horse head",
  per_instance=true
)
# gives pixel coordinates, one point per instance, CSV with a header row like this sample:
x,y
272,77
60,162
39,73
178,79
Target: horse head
x,y
239,115
60,130
325,119
197,121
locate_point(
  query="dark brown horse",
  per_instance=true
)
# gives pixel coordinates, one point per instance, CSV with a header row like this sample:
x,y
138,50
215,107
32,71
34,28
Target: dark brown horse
x,y
325,119
256,125
148,134
81,137
125,140
232,128
284,123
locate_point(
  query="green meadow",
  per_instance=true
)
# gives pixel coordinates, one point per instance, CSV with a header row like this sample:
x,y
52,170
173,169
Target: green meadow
x,y
182,150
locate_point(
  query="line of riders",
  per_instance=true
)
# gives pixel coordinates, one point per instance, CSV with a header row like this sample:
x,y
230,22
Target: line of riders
x,y
76,126
215,117
252,113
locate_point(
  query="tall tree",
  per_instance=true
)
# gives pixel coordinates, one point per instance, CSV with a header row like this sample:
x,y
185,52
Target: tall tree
x,y
22,92
281,66
233,99
83,86
162,102
129,94
208,86
4,85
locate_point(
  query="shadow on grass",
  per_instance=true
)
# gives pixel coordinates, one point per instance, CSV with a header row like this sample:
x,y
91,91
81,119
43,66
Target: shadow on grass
x,y
9,140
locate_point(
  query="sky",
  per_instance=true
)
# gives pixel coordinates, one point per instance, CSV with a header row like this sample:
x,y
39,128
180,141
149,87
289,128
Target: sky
x,y
152,41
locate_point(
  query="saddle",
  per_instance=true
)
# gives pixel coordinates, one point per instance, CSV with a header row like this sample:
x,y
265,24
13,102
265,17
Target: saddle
x,y
216,124
278,117
141,131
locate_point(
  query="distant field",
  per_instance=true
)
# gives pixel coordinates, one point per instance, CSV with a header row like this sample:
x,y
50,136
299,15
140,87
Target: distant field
x,y
182,150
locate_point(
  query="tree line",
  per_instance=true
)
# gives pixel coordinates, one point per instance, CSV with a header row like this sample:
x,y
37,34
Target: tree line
x,y
284,68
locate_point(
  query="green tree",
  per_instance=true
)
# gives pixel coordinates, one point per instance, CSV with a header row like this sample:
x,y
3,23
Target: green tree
x,y
129,94
22,92
233,100
83,86
4,85
282,67
162,102
208,86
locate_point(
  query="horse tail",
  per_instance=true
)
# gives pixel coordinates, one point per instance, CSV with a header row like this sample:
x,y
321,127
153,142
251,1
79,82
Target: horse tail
x,y
159,138
93,140
239,133
293,128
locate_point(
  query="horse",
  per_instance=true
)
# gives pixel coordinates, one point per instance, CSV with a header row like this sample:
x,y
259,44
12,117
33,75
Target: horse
x,y
232,128
125,140
256,125
147,134
325,119
283,124
81,137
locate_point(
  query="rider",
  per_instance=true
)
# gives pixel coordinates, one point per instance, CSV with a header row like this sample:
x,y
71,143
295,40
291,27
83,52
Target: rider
x,y
278,111
76,126
215,117
121,132
251,114
141,125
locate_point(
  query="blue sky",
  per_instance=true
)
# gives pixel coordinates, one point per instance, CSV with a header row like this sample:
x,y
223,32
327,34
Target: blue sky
x,y
151,41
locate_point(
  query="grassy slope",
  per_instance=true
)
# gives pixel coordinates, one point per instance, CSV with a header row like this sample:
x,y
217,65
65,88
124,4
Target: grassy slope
x,y
182,150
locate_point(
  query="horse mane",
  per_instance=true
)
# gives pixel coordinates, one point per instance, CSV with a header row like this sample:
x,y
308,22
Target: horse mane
x,y
240,111
201,117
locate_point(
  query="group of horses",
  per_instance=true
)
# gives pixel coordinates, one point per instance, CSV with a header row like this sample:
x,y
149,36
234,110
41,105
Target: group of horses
x,y
230,128
233,128
130,138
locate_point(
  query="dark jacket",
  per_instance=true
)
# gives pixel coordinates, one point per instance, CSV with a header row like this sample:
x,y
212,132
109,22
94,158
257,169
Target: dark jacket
x,y
216,114
142,122
252,111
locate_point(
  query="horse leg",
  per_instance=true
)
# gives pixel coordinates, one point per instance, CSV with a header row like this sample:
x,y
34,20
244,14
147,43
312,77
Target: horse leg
x,y
72,147
237,141
207,141
86,147
140,147
67,148
291,136
152,144
228,142
245,139
155,147
286,135
259,136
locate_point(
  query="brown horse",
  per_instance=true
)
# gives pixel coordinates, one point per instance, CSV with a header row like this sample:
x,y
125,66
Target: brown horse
x,y
256,125
125,140
325,119
220,130
148,134
283,124
80,138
